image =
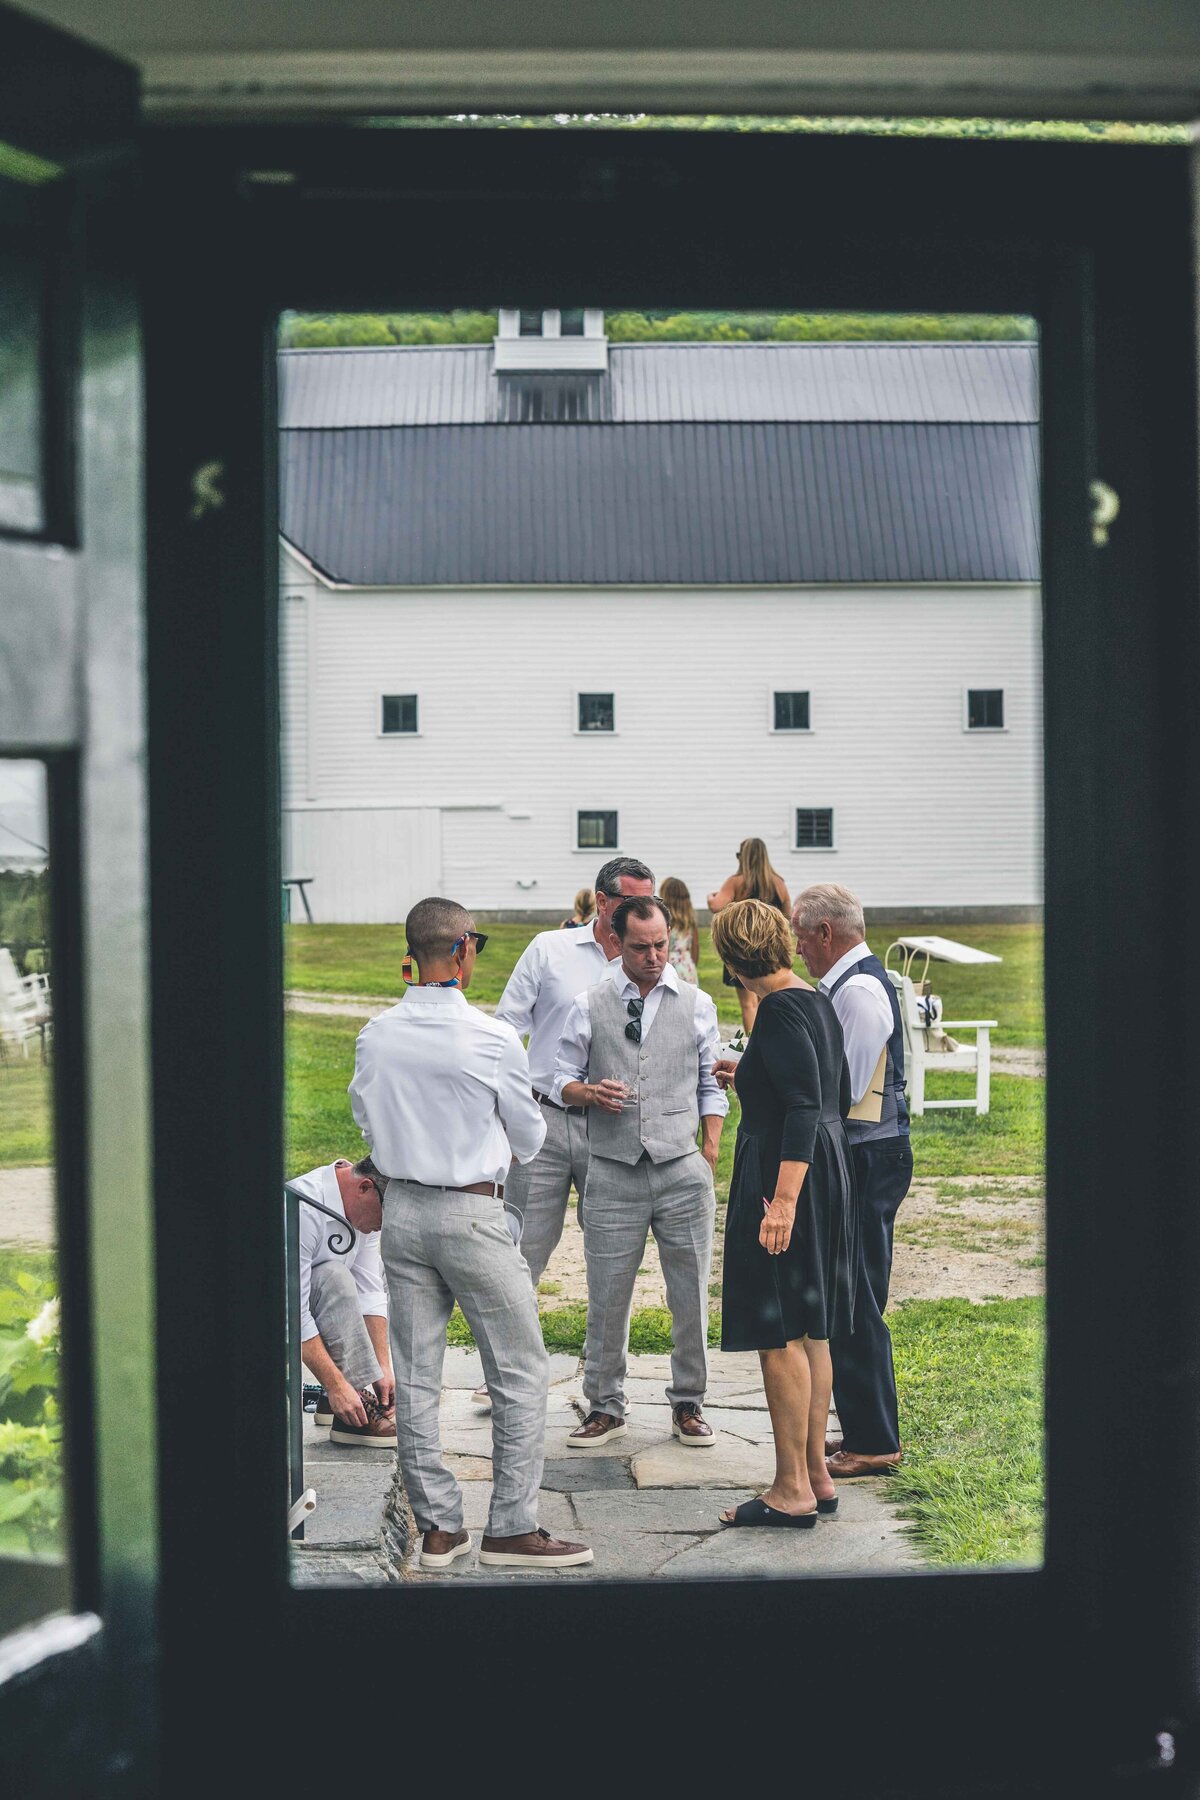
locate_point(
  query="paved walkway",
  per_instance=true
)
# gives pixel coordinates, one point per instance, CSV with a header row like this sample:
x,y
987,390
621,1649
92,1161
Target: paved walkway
x,y
647,1506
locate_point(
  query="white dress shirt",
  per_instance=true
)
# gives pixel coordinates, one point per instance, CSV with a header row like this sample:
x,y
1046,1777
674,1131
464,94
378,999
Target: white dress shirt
x,y
441,1092
864,1015
576,1045
552,969
364,1261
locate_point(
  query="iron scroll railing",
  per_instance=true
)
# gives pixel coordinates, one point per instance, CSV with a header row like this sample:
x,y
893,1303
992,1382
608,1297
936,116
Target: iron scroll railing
x,y
340,1242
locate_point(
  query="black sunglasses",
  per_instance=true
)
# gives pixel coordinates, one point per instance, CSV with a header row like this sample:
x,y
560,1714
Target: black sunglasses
x,y
633,1031
481,938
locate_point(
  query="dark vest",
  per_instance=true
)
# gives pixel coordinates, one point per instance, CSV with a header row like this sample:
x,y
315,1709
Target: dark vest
x,y
893,1118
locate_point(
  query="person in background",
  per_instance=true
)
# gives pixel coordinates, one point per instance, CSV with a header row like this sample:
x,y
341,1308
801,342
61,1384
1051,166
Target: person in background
x,y
585,910
829,927
343,1305
791,1232
441,1094
684,956
753,879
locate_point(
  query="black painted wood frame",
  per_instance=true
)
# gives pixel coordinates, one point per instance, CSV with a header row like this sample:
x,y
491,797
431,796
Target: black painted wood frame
x,y
1059,1680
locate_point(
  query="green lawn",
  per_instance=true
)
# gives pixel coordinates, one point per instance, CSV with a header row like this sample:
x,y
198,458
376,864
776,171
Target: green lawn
x,y
25,1140
365,959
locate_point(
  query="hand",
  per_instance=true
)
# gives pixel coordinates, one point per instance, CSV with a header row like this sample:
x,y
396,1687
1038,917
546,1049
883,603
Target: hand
x,y
710,1153
385,1387
775,1232
609,1096
347,1403
725,1070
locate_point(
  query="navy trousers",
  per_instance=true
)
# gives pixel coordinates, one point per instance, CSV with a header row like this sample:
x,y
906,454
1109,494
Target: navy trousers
x,y
864,1382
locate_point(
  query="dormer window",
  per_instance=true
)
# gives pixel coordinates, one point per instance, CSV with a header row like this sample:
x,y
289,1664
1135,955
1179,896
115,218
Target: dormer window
x,y
555,337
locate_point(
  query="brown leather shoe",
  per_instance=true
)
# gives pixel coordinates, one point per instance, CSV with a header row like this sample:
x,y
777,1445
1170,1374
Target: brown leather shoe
x,y
534,1550
597,1428
845,1465
832,1446
440,1548
379,1432
691,1427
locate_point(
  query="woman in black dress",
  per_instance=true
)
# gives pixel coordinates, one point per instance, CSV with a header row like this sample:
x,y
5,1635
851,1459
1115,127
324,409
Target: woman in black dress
x,y
791,1232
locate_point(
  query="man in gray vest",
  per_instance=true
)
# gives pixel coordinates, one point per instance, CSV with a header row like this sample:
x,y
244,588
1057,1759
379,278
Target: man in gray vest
x,y
638,1051
830,932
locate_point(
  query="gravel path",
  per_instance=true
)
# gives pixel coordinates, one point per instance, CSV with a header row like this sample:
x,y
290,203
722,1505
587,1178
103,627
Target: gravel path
x,y
27,1206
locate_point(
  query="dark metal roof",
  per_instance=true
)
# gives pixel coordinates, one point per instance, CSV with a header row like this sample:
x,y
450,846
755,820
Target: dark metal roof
x,y
588,504
659,383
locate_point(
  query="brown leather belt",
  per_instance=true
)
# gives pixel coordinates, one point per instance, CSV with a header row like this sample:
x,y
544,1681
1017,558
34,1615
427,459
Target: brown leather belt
x,y
545,1100
473,1187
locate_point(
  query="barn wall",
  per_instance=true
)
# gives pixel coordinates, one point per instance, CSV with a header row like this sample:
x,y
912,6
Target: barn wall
x,y
925,813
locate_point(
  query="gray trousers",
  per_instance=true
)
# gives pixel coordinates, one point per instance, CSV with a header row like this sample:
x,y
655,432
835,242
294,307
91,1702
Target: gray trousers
x,y
540,1189
335,1306
677,1202
440,1246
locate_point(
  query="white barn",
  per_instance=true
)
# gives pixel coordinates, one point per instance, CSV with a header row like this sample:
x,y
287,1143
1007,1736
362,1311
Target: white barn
x,y
552,598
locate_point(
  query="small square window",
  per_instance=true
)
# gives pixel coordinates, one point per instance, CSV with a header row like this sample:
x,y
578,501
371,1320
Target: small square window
x,y
399,714
985,709
814,828
791,710
596,712
571,324
531,323
596,830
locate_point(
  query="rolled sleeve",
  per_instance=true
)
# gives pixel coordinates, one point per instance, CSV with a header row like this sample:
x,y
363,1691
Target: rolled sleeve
x,y
574,1048
520,1114
709,1098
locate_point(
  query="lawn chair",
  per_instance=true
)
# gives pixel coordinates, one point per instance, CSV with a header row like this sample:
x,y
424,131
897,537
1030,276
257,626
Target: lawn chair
x,y
24,1006
928,1049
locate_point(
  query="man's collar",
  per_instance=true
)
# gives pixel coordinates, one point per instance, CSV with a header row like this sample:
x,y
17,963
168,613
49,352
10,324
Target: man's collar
x,y
435,996
854,955
616,970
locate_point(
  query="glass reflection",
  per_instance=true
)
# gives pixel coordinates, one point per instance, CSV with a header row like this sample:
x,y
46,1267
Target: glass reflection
x,y
21,422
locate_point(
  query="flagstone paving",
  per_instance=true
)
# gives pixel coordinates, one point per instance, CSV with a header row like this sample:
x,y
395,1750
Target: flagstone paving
x,y
647,1506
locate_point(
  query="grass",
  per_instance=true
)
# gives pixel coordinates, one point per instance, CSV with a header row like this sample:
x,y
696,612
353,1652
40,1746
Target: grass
x,y
365,959
969,1380
25,1140
1009,1140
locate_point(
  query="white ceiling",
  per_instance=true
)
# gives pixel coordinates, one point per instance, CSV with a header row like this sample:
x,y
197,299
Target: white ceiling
x,y
274,58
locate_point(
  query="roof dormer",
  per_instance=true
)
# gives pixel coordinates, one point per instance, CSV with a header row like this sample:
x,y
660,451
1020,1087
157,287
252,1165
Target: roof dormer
x,y
555,338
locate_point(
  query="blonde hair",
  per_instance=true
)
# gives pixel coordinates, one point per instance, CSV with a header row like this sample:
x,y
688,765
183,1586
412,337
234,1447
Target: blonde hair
x,y
752,938
829,900
759,880
585,904
676,895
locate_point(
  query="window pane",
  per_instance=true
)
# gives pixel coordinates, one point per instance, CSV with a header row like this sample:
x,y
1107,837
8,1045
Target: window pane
x,y
597,831
791,711
571,321
814,828
985,709
596,712
531,323
31,1495
399,712
21,500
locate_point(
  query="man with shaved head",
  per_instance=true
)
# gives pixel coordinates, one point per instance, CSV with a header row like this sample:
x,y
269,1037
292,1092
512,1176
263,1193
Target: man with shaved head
x,y
442,1094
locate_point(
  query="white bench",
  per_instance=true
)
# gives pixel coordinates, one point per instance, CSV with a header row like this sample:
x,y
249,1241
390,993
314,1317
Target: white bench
x,y
923,1025
24,1005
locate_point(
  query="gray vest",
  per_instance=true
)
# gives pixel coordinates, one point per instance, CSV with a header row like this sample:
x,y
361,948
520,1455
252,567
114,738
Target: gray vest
x,y
663,1071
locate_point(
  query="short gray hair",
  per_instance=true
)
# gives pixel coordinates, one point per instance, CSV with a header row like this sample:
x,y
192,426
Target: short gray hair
x,y
433,926
829,900
608,881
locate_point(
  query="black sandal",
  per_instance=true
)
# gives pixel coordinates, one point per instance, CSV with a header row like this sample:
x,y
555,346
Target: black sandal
x,y
757,1512
827,1507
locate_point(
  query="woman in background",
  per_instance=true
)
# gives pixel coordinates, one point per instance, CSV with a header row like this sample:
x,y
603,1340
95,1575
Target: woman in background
x,y
585,911
684,953
754,879
792,1228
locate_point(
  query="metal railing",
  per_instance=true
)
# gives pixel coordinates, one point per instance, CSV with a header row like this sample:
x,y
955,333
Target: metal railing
x,y
302,1500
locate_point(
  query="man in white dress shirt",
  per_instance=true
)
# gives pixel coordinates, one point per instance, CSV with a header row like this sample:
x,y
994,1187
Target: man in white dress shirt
x,y
343,1305
830,932
442,1094
554,967
638,1051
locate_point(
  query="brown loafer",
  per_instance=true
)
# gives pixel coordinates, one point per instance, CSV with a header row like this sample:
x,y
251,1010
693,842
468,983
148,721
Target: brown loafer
x,y
845,1465
596,1429
832,1446
691,1427
534,1550
440,1548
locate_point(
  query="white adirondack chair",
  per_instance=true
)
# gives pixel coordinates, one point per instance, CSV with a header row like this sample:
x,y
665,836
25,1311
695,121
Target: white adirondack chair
x,y
925,1028
24,1005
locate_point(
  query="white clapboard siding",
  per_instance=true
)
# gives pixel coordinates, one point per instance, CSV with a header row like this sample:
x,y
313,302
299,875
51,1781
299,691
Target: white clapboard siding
x,y
925,813
368,864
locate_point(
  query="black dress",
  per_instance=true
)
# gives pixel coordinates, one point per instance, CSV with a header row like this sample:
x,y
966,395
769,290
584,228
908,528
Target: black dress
x,y
794,1090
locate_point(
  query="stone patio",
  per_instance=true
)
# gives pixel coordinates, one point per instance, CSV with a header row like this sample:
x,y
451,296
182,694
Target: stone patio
x,y
647,1506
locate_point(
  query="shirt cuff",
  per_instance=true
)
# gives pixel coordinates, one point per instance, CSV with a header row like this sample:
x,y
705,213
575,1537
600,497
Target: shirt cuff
x,y
715,1107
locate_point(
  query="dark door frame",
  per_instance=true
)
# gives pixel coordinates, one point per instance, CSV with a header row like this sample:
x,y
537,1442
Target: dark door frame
x,y
932,1683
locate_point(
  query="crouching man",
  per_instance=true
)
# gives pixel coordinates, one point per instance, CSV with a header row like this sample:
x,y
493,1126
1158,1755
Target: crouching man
x,y
343,1306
